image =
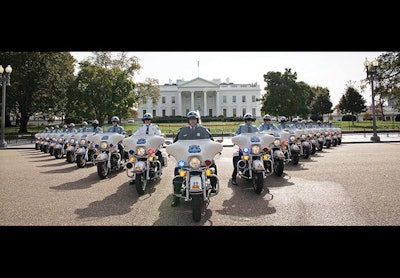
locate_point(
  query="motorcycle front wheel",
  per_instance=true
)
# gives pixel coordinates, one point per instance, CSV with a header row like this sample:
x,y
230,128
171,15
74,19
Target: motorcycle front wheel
x,y
258,182
102,169
278,169
139,184
197,207
70,157
80,161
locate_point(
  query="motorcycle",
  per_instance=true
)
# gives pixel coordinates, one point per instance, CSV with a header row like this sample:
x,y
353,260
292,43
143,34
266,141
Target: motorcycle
x,y
84,153
277,164
107,156
254,151
59,148
194,172
143,164
71,142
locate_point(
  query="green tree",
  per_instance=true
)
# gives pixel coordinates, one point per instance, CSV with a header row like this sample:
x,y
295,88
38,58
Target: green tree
x,y
149,89
39,81
387,82
284,95
104,87
351,102
321,104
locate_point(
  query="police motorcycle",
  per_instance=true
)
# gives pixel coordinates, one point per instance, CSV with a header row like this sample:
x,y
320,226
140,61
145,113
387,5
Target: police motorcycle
x,y
85,149
254,152
194,171
320,136
39,137
291,149
45,147
302,138
70,143
53,142
278,149
327,135
276,165
59,148
107,156
143,164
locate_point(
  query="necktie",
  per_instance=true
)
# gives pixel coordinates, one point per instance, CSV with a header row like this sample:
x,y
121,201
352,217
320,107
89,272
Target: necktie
x,y
147,130
248,129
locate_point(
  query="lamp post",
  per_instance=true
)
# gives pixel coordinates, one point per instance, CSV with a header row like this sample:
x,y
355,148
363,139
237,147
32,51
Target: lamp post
x,y
371,68
4,81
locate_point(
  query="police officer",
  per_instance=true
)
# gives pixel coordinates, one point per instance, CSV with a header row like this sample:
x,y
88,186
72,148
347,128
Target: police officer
x,y
71,128
95,127
115,126
192,131
267,124
247,127
283,123
84,127
148,128
118,129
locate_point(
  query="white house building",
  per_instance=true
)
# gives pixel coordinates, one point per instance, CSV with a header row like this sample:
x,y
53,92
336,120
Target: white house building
x,y
210,98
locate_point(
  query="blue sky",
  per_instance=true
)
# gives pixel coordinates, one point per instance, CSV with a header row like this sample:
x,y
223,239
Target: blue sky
x,y
326,69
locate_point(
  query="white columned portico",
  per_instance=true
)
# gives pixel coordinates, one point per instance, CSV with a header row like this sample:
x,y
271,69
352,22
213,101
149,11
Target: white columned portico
x,y
217,104
192,100
179,112
205,112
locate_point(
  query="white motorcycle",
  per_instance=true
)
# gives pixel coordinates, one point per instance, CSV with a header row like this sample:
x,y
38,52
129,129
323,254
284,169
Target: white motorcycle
x,y
195,174
107,156
84,153
143,164
253,153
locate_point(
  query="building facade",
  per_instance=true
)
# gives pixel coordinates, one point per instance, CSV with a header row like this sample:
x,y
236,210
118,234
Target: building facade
x,y
210,98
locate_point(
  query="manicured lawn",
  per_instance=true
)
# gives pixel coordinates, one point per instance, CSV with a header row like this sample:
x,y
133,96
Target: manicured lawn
x,y
230,127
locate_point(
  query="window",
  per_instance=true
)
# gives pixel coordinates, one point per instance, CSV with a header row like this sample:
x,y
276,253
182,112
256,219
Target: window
x,y
243,98
224,112
253,110
224,99
173,99
234,112
163,113
234,99
210,112
173,112
253,98
244,111
163,100
154,113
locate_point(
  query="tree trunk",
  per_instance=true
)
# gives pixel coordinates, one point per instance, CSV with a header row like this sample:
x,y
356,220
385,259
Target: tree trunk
x,y
24,123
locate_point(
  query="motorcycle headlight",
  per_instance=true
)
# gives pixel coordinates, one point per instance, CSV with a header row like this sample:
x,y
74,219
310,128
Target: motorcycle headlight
x,y
141,151
60,140
194,162
103,145
255,149
72,141
303,136
277,142
292,138
82,142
